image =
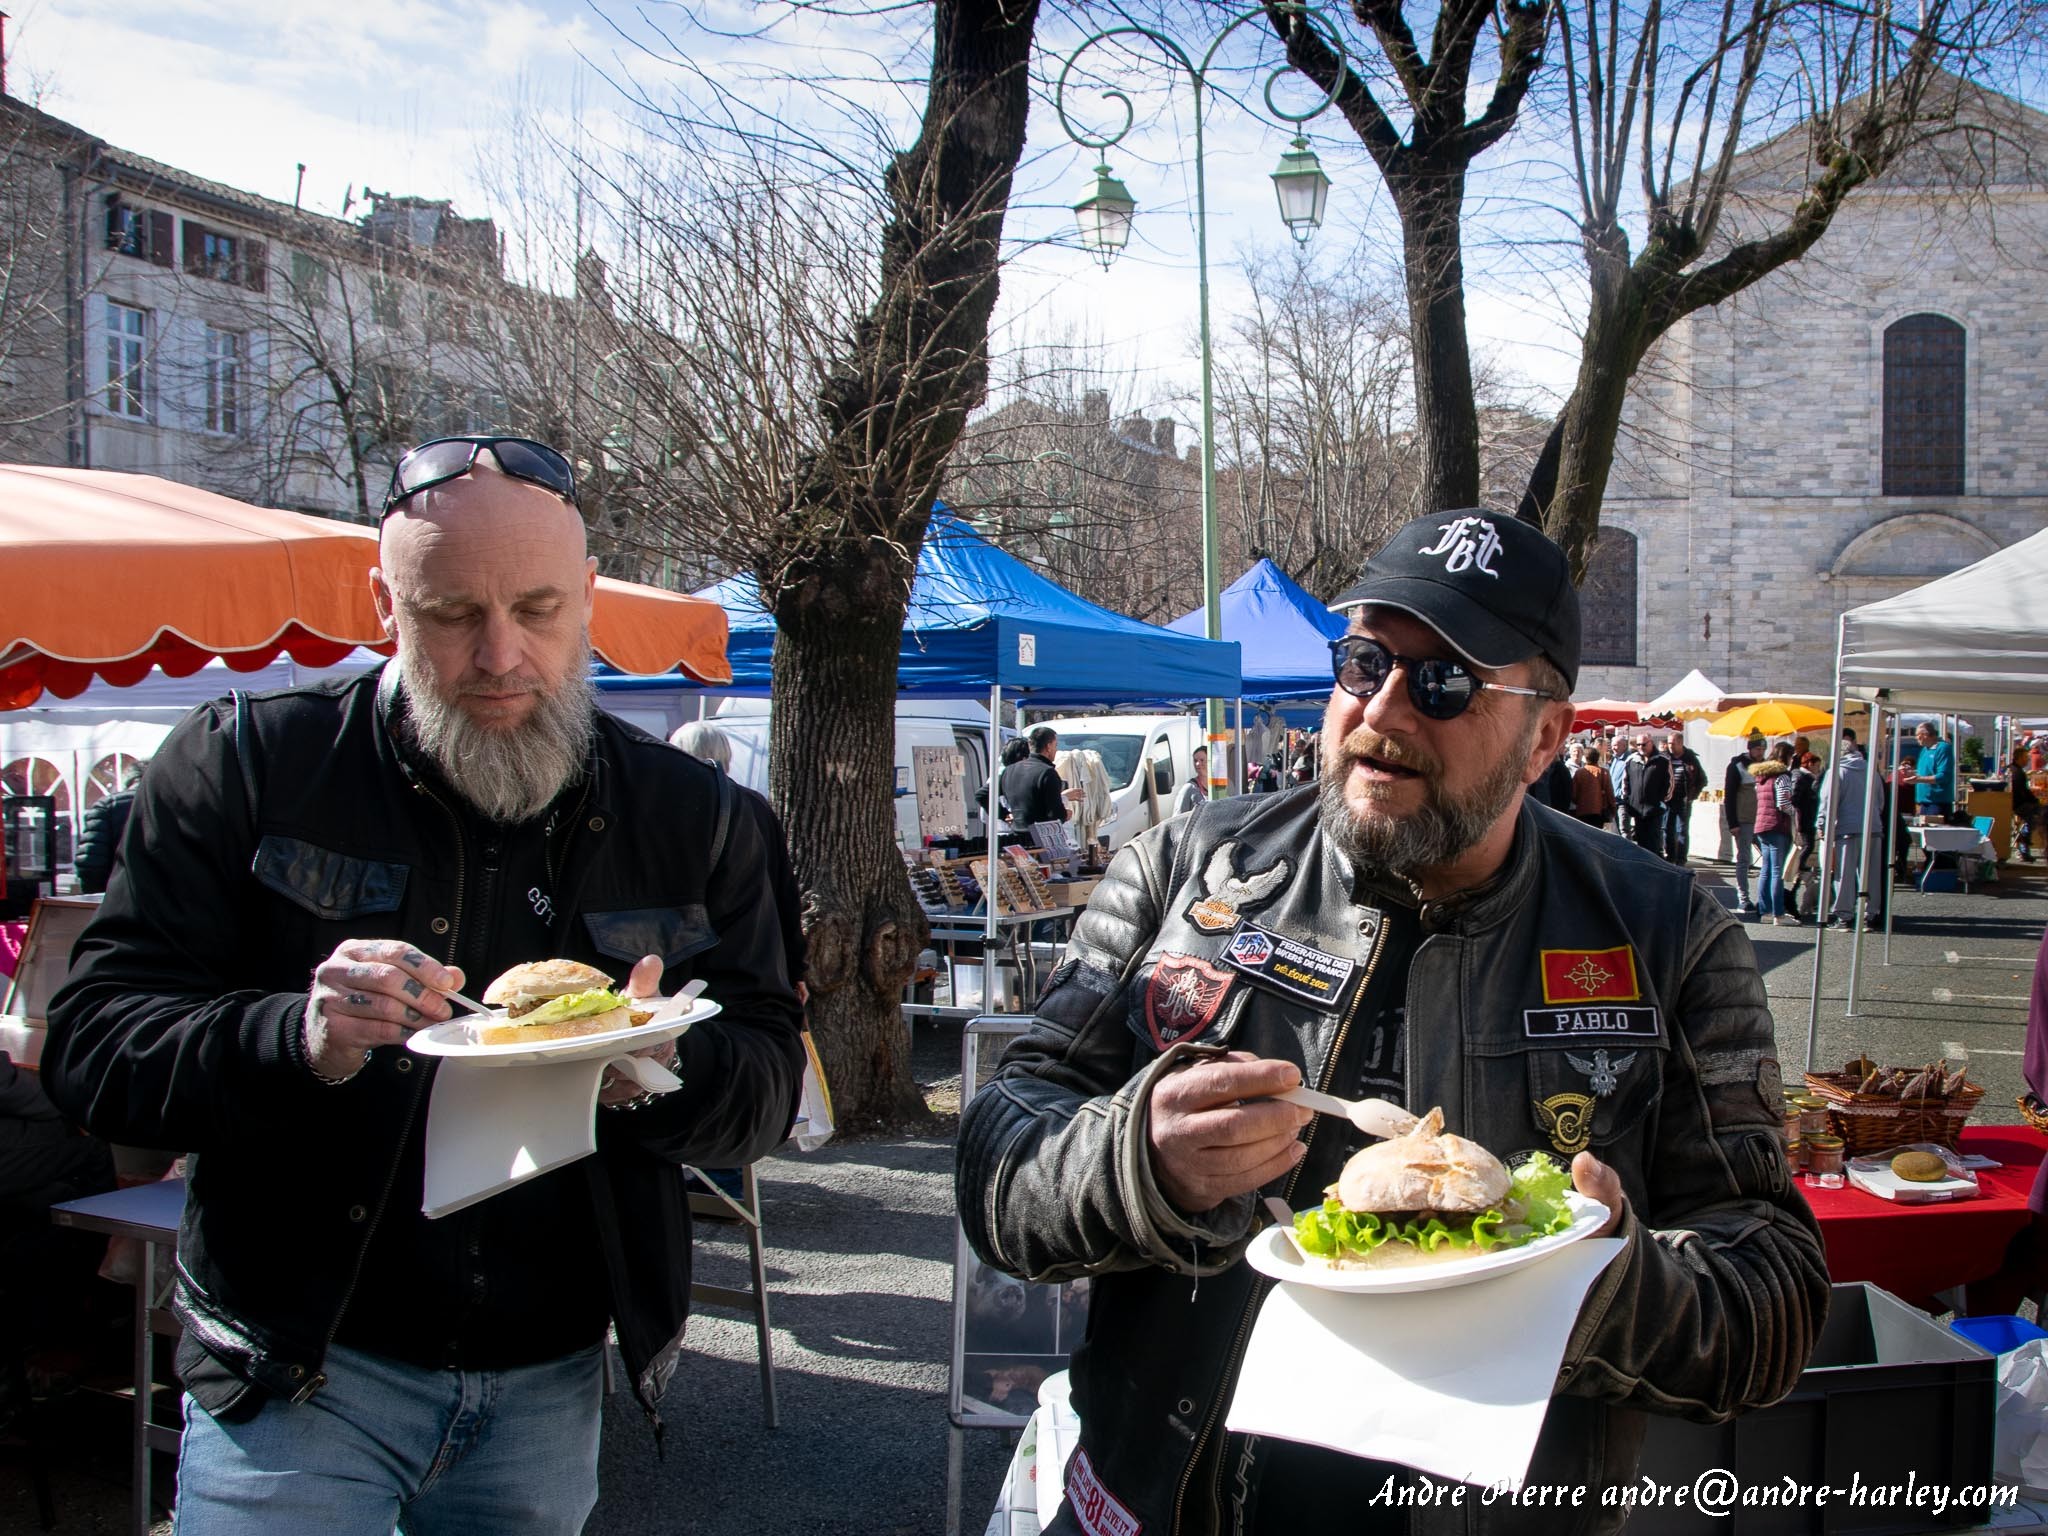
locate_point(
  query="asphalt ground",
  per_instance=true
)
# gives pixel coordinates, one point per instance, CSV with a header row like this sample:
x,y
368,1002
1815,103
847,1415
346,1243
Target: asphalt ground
x,y
860,1242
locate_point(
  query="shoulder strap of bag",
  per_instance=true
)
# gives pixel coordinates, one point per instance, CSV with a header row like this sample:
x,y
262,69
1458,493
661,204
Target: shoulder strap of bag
x,y
723,824
245,750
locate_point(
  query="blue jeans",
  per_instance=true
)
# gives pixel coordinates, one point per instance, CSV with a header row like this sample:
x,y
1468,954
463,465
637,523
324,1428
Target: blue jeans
x,y
386,1445
1770,880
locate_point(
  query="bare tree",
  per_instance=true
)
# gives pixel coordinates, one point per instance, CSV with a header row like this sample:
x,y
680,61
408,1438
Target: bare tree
x,y
41,220
1314,413
1681,205
1669,109
1072,475
807,337
1425,167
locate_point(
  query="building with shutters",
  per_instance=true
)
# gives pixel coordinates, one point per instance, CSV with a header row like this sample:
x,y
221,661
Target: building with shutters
x,y
167,324
1858,423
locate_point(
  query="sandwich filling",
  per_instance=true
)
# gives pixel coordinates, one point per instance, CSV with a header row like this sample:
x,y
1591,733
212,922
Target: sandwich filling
x,y
533,1012
1534,1207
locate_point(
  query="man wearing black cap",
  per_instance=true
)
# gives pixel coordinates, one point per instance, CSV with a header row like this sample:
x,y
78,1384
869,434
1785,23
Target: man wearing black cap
x,y
1447,942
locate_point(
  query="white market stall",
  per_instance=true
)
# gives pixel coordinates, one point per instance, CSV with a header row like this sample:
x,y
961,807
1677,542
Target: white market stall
x,y
1971,640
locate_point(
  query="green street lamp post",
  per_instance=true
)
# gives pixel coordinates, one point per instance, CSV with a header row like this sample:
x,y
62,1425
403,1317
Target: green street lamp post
x,y
1106,212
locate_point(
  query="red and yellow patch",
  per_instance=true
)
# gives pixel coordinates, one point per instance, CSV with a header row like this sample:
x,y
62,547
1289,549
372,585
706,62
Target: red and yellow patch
x,y
1587,975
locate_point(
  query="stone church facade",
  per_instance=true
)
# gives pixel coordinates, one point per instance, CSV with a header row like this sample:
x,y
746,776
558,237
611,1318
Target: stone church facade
x,y
1854,425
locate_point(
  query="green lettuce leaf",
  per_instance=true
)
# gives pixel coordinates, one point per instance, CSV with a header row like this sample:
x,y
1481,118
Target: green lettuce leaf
x,y
1535,1207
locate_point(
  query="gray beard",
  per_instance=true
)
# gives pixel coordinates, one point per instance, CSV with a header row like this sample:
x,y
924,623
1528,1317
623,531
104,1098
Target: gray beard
x,y
1439,832
512,775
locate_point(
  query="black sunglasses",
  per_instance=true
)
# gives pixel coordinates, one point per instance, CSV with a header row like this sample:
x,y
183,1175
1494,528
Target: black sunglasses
x,y
1437,687
450,458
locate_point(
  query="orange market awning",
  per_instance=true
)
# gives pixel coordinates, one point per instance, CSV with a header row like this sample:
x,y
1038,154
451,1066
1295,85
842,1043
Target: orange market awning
x,y
106,574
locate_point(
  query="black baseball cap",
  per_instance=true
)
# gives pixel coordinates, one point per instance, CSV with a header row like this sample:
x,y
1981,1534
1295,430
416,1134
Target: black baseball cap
x,y
1492,585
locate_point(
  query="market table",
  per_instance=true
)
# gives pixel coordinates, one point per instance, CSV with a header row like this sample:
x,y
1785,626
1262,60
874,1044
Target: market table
x,y
149,1213
1914,1251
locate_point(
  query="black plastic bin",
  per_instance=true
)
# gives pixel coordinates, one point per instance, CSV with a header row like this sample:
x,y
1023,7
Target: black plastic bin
x,y
1891,1400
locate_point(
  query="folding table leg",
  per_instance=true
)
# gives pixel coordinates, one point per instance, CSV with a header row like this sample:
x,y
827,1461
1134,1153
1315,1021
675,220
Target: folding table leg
x,y
145,1292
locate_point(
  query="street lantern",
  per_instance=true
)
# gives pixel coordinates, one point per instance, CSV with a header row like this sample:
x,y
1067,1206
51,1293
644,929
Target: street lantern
x,y
1104,216
1302,188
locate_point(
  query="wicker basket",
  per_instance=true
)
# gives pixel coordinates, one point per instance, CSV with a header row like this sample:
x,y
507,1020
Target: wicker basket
x,y
2031,1115
1869,1123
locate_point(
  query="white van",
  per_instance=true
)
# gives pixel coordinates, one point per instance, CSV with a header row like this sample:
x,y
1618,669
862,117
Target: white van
x,y
1163,746
956,724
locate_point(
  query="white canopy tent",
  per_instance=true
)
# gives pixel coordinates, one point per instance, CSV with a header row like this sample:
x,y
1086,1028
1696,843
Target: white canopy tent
x,y
1692,695
1971,640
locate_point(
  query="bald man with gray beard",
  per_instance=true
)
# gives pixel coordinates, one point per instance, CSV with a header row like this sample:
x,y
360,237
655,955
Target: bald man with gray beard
x,y
306,875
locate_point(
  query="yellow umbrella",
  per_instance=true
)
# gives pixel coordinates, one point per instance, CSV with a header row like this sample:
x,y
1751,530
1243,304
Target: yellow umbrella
x,y
1770,717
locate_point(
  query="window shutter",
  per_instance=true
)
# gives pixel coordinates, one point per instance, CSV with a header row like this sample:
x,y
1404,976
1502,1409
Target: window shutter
x,y
160,238
255,266
195,248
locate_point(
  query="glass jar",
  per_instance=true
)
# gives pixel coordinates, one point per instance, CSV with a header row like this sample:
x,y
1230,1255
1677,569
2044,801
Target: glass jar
x,y
1824,1161
1792,1126
1795,1155
1813,1116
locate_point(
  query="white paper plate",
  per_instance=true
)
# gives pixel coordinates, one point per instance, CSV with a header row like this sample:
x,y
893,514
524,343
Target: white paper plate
x,y
671,1017
1274,1252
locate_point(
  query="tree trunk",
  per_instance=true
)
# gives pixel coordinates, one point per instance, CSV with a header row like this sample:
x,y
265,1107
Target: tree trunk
x,y
832,760
839,582
1446,415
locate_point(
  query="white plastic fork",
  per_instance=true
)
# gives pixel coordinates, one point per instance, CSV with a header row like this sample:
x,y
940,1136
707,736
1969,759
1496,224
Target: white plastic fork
x,y
1375,1117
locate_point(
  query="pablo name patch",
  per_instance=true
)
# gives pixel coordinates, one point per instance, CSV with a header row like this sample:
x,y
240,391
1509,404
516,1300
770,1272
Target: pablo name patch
x,y
1287,965
1638,1023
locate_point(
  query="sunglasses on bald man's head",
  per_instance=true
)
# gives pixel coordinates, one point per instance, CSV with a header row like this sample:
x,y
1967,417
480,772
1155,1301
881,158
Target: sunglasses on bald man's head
x,y
1438,687
450,458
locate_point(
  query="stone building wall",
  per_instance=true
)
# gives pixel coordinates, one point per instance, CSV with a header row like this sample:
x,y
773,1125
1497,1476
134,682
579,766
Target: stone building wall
x,y
1750,470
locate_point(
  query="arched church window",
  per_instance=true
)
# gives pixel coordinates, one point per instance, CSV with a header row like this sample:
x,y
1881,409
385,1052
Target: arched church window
x,y
1607,602
1923,407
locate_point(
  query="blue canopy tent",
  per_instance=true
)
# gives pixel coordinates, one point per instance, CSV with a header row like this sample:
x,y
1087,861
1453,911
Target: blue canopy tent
x,y
982,621
1284,634
980,618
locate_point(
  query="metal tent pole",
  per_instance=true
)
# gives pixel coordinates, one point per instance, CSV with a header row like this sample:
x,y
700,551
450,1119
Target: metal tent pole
x,y
1820,931
990,886
1237,767
1891,841
1871,801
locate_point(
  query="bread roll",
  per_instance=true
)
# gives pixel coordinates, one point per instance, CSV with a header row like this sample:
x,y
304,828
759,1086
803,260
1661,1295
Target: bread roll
x,y
527,1034
1426,1170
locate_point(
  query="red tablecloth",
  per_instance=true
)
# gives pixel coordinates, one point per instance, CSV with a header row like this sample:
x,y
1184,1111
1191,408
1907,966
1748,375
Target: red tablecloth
x,y
1915,1250
11,937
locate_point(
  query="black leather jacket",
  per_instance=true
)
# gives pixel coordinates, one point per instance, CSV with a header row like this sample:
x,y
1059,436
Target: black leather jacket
x,y
99,838
181,1023
1713,1307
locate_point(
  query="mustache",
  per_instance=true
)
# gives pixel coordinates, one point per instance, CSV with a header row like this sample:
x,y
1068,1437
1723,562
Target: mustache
x,y
1366,742
510,683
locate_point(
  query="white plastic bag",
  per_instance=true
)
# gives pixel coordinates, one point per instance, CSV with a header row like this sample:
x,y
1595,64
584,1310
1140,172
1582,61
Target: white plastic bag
x,y
2022,1455
813,1126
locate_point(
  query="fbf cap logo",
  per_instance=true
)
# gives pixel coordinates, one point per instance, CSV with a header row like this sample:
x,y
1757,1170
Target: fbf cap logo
x,y
1467,543
1252,947
1589,975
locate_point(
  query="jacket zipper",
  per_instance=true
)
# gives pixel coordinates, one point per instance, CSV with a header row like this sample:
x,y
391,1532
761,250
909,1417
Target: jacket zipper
x,y
1251,1306
412,1112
